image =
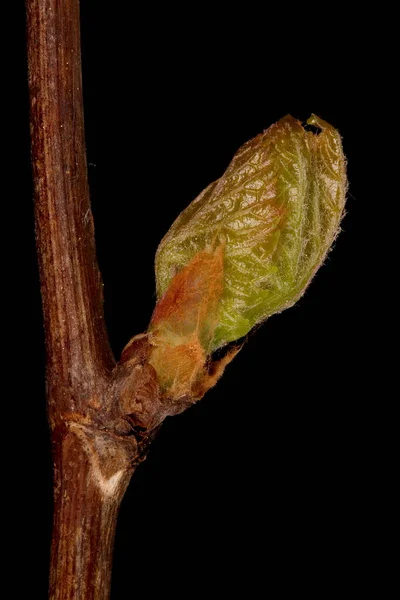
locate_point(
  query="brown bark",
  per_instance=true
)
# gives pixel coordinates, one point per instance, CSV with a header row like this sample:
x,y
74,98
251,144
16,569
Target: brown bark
x,y
86,507
101,415
78,352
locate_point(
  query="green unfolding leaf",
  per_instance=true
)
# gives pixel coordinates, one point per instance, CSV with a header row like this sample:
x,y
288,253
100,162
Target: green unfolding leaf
x,y
277,210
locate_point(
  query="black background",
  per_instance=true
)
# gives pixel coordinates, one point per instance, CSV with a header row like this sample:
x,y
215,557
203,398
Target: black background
x,y
264,482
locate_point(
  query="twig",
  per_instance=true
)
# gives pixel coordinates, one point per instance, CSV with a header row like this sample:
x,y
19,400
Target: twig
x,y
95,447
